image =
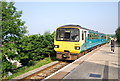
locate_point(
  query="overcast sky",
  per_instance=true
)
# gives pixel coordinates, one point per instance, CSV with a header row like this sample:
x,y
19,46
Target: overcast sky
x,y
46,16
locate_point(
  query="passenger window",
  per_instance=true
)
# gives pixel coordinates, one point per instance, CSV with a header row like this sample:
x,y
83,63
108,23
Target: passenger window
x,y
93,36
88,36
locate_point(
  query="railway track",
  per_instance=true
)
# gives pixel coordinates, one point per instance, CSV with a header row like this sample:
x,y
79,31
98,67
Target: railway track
x,y
46,72
51,69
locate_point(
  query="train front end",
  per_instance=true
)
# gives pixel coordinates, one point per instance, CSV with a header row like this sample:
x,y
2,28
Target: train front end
x,y
67,42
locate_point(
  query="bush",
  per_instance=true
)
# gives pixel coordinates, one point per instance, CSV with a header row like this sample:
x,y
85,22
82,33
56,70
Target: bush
x,y
35,47
30,49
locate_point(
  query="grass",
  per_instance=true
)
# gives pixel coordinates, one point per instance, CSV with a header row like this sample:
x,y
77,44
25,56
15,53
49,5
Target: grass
x,y
26,69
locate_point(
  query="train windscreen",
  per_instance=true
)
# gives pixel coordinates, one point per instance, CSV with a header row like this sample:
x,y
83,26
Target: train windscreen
x,y
67,34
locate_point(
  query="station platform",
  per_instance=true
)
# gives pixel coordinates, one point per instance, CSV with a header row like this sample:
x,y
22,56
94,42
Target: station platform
x,y
100,64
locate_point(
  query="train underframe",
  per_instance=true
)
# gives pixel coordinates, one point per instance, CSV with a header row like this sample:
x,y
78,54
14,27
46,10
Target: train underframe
x,y
74,56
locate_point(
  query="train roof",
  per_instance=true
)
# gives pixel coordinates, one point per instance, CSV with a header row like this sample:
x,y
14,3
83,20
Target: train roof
x,y
82,28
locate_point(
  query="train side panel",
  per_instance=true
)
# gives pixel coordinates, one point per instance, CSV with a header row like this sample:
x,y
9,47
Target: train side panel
x,y
93,42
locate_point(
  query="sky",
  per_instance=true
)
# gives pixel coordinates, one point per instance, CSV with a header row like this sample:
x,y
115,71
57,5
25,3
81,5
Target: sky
x,y
47,16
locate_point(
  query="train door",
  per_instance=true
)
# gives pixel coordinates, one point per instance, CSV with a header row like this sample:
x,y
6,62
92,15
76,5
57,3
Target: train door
x,y
84,33
85,39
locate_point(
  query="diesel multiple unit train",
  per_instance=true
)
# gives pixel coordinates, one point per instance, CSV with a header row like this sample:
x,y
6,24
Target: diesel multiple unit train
x,y
71,41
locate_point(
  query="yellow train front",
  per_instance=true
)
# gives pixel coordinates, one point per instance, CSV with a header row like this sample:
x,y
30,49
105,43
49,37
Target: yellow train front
x,y
71,41
67,42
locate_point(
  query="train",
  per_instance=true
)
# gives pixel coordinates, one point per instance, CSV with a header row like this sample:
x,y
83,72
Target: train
x,y
73,41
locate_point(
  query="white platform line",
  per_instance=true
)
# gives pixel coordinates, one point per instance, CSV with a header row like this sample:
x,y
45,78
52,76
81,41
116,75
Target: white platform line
x,y
68,65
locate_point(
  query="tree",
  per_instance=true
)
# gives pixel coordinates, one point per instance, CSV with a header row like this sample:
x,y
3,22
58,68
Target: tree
x,y
13,29
108,38
12,26
118,34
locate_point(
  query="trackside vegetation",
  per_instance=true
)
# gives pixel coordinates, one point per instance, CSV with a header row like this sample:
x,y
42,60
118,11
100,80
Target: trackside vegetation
x,y
32,51
29,68
118,34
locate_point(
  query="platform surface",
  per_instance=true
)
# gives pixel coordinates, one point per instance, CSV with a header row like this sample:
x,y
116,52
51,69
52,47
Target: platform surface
x,y
103,64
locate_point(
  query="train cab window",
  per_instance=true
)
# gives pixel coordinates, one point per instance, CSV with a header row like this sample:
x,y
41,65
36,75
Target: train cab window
x,y
67,34
75,37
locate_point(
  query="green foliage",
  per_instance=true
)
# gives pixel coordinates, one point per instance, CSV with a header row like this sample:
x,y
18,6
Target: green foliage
x,y
35,47
108,38
8,52
15,46
12,30
12,26
29,68
118,34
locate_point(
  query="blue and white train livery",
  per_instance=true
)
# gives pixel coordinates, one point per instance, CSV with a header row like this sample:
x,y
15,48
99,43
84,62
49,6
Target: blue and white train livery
x,y
71,41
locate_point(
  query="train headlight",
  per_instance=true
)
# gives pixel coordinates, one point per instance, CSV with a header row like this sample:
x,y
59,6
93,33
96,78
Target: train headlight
x,y
56,46
77,48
